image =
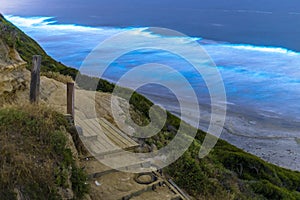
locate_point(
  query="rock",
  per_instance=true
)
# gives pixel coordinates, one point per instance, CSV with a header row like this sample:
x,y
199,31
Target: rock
x,y
66,193
12,81
144,148
18,193
9,57
153,148
97,183
13,75
86,197
171,129
145,178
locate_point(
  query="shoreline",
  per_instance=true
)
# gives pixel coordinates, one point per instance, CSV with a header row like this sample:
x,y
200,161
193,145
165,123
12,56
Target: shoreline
x,y
262,138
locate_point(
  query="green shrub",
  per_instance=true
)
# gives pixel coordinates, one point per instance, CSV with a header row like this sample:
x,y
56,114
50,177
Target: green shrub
x,y
58,142
271,191
78,180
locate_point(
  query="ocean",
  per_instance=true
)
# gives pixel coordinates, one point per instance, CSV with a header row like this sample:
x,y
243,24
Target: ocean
x,y
260,22
262,82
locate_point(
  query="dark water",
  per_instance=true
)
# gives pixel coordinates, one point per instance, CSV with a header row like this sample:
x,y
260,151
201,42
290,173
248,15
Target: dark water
x,y
259,22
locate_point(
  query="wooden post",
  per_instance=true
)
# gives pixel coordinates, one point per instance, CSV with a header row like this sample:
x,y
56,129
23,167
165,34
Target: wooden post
x,y
70,98
35,79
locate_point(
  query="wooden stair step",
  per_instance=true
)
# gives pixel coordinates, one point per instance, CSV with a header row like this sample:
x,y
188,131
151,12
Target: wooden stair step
x,y
117,130
120,138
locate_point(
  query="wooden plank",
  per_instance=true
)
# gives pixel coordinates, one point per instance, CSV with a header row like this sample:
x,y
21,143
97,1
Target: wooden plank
x,y
117,130
99,146
91,127
94,148
87,131
35,79
113,133
129,142
70,99
80,115
91,134
106,143
93,130
100,151
116,136
102,138
114,139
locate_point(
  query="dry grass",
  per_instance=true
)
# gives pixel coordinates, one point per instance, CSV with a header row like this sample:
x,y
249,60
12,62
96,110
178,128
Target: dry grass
x,y
57,76
7,98
33,153
25,151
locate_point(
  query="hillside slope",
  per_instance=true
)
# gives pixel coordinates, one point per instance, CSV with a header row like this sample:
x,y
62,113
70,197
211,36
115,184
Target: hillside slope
x,y
38,158
14,38
226,173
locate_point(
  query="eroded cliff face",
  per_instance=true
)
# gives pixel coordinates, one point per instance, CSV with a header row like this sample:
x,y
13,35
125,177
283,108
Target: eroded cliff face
x,y
8,55
13,81
14,76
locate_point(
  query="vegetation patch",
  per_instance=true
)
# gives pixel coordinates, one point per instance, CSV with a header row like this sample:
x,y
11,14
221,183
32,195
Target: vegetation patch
x,y
35,161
